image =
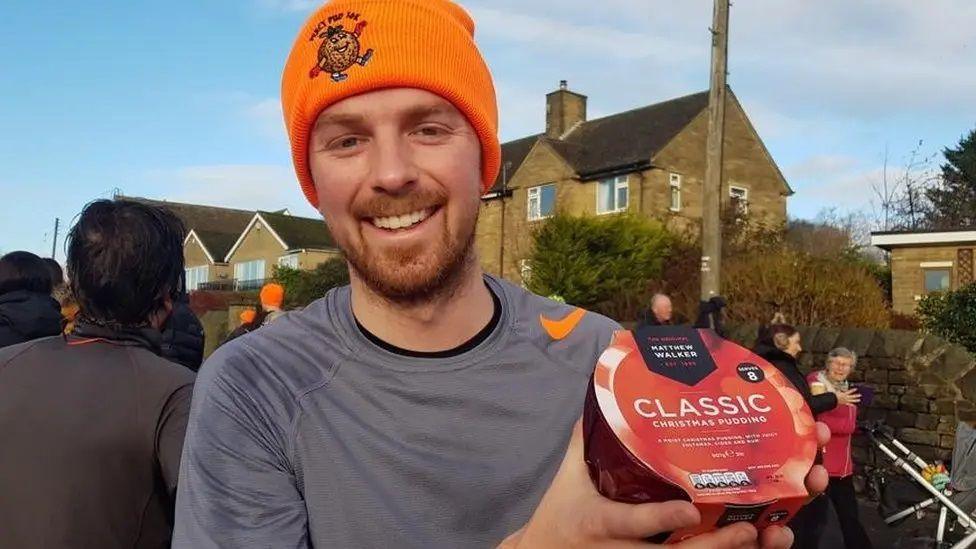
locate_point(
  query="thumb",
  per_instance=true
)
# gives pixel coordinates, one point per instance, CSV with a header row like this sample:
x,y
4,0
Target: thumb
x,y
573,467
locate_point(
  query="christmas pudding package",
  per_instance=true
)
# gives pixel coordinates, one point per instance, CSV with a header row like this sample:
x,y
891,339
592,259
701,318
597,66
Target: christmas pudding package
x,y
680,413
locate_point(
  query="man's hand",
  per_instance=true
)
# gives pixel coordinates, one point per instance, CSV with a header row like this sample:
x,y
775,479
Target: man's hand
x,y
573,514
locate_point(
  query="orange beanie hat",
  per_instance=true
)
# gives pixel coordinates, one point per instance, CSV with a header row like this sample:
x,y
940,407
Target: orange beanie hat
x,y
248,316
349,47
272,295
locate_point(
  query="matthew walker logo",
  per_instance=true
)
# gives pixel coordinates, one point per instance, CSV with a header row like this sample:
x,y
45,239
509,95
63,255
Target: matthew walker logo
x,y
340,48
675,352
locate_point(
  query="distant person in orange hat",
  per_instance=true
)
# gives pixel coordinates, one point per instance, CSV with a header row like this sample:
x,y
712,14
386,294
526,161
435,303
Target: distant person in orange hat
x,y
272,298
247,316
251,319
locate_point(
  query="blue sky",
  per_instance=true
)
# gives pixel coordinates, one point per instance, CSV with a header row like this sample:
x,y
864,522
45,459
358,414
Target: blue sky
x,y
178,100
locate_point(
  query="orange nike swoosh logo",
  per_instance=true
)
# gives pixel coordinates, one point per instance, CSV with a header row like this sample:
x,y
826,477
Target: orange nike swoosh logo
x,y
558,329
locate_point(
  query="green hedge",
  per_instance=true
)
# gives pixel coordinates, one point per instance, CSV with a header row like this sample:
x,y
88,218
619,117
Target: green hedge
x,y
303,287
951,315
599,263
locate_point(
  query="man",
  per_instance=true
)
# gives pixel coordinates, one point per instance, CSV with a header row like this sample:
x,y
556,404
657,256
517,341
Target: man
x,y
183,335
27,310
92,423
426,404
272,297
661,312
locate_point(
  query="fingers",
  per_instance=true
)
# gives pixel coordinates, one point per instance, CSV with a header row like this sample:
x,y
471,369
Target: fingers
x,y
740,535
776,537
573,468
823,434
816,481
626,521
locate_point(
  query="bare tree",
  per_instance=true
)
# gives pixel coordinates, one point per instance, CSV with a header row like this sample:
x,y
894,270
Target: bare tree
x,y
900,202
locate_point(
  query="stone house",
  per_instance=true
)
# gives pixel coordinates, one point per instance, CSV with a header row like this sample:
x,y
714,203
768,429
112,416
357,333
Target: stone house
x,y
649,161
923,262
211,232
278,238
230,249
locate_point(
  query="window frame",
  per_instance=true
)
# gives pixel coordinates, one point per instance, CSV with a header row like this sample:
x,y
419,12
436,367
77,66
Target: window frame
x,y
289,258
239,268
525,271
674,184
743,200
535,193
934,269
618,182
193,282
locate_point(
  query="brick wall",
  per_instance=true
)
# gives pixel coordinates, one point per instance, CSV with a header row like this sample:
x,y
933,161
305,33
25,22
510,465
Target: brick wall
x,y
923,385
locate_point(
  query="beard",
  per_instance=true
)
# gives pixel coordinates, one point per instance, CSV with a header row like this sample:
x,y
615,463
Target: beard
x,y
418,273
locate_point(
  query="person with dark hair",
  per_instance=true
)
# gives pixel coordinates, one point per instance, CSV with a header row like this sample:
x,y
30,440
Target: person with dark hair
x,y
27,310
57,273
183,335
92,423
779,344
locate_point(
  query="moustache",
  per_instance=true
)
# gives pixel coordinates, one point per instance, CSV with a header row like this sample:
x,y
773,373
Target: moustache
x,y
387,206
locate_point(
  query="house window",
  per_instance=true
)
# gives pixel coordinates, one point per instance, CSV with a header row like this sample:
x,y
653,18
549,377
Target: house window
x,y
612,195
937,280
249,270
542,201
290,261
740,200
525,271
675,187
196,276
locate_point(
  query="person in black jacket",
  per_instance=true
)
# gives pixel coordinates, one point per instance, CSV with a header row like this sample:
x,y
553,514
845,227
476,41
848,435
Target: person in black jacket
x,y
92,423
27,310
780,345
183,336
661,313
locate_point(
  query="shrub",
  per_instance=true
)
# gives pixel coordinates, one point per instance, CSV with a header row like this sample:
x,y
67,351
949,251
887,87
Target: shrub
x,y
951,315
304,287
599,263
901,321
810,291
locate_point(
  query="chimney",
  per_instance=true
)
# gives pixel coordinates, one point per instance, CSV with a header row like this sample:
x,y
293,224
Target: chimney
x,y
564,109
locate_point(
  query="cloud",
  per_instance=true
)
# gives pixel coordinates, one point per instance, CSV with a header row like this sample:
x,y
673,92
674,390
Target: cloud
x,y
290,5
244,186
265,115
818,166
597,42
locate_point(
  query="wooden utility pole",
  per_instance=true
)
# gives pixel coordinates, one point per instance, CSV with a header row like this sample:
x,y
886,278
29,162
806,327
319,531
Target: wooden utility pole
x,y
711,264
54,242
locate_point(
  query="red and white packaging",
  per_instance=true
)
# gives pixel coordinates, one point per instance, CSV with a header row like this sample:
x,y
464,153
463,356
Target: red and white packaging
x,y
680,413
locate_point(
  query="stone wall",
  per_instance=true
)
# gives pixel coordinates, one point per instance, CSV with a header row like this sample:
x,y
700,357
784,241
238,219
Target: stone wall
x,y
923,385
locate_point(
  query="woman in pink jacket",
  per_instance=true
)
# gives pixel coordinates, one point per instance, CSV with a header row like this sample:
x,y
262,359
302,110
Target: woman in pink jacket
x,y
842,421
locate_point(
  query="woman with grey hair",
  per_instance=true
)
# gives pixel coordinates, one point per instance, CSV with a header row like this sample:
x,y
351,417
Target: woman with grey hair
x,y
842,421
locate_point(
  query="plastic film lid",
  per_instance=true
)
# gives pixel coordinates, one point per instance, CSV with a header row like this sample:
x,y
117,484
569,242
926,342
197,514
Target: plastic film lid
x,y
706,414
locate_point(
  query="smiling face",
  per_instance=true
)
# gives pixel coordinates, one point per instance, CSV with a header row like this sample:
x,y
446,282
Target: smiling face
x,y
398,177
839,368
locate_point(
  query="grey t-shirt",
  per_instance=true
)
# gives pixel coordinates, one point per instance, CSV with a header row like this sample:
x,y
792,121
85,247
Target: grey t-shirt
x,y
306,433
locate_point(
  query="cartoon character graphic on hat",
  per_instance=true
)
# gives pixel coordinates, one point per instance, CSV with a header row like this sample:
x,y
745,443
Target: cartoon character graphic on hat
x,y
339,51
